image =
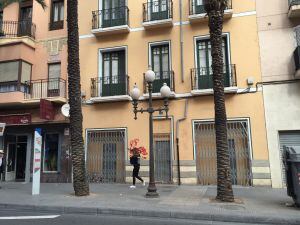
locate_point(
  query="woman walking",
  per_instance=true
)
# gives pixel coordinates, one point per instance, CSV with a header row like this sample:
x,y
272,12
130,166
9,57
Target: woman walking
x,y
135,161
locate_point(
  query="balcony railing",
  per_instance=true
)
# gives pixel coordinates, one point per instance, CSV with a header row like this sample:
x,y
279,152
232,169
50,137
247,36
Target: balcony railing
x,y
202,78
294,2
48,88
161,78
198,8
17,29
110,86
157,10
110,17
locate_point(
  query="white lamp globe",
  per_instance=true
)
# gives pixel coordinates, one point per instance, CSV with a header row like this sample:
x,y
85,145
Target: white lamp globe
x,y
165,91
149,76
135,93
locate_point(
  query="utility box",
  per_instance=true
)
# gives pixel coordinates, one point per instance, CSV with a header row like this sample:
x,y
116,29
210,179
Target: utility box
x,y
291,161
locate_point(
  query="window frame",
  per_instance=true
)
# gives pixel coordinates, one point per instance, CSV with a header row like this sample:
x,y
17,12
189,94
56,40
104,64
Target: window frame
x,y
56,25
18,82
58,151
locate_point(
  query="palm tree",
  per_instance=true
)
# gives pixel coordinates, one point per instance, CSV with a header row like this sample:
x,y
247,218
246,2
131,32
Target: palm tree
x,y
215,10
80,182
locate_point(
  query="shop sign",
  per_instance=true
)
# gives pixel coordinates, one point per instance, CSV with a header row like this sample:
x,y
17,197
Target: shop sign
x,y
37,156
46,110
15,119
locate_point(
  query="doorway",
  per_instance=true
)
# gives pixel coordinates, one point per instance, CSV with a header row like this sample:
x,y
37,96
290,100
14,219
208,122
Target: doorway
x,y
16,157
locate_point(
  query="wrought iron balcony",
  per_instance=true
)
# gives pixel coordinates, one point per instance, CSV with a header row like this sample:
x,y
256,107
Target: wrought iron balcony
x,y
110,17
157,10
45,88
294,8
110,86
9,29
161,78
197,12
196,8
202,78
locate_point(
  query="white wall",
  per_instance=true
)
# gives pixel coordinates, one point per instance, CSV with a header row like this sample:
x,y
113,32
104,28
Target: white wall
x,y
282,110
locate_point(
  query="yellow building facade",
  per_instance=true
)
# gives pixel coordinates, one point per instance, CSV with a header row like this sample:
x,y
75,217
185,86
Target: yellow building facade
x,y
120,40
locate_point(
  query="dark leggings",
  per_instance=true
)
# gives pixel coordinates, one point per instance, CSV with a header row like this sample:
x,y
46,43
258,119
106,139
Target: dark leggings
x,y
135,173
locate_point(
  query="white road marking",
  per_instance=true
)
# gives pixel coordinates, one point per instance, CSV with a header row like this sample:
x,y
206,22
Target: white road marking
x,y
28,217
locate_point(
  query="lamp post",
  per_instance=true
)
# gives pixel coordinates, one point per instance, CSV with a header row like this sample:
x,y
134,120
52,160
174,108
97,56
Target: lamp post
x,y
135,94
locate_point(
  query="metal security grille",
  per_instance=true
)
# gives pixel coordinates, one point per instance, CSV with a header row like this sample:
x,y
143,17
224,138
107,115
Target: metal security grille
x,y
206,157
289,139
162,154
106,156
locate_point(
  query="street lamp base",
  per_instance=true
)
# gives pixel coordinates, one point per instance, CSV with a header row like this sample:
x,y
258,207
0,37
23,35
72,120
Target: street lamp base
x,y
152,195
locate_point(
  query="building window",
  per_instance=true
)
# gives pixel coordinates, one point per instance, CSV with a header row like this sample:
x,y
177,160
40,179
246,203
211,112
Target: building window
x,y
57,15
15,75
160,62
204,61
1,23
54,72
51,150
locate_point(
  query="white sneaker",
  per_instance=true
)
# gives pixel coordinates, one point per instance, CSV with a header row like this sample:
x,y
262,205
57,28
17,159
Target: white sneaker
x,y
144,183
132,187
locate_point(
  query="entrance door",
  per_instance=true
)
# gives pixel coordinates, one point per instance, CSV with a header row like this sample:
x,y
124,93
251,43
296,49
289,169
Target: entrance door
x,y
21,161
11,162
106,156
113,75
159,9
113,13
25,21
162,152
204,61
161,66
109,169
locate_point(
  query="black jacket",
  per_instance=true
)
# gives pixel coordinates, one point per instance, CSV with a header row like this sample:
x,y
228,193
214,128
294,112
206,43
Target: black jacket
x,y
134,160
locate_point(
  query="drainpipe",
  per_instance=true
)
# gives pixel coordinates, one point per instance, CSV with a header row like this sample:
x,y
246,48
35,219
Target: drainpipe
x,y
181,43
177,139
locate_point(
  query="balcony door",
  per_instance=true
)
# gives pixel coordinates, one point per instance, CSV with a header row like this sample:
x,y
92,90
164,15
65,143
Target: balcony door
x,y
113,13
198,7
25,22
158,9
204,62
161,66
113,73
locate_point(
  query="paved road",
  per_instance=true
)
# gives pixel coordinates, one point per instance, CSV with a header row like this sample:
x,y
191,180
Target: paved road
x,y
12,217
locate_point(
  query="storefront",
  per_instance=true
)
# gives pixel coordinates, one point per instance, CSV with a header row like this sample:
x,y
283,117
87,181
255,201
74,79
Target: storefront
x,y
17,143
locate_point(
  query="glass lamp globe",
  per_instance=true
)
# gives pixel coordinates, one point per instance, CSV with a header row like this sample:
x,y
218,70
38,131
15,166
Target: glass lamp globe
x,y
149,76
165,91
135,93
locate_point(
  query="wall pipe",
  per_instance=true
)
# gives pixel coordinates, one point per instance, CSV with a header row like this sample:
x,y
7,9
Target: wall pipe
x,y
177,139
181,43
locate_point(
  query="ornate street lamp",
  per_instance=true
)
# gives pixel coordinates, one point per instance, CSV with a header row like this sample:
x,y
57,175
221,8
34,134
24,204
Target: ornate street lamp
x,y
135,95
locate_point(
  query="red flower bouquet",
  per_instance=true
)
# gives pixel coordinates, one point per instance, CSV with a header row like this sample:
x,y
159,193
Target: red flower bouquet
x,y
133,147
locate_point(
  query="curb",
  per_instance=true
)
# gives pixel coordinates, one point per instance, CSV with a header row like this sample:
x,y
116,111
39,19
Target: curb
x,y
237,218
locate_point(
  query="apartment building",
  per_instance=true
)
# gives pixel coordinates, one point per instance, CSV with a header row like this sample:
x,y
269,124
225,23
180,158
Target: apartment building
x,y
33,87
120,40
279,38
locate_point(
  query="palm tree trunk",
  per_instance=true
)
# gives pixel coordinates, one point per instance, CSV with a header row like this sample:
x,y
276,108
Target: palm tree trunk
x,y
215,10
80,183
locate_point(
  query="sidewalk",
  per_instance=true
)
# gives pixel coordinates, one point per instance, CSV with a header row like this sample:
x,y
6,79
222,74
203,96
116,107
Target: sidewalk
x,y
259,205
